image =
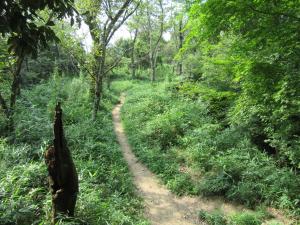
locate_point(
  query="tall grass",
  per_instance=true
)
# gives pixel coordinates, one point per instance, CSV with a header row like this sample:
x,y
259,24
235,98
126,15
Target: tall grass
x,y
194,153
106,195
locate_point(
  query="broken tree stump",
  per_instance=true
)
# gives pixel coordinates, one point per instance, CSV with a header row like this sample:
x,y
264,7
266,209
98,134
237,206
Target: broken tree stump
x,y
63,178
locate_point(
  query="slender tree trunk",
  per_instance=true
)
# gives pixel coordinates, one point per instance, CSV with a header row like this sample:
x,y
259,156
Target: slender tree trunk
x,y
63,178
180,45
153,73
97,96
109,79
133,66
99,80
5,110
133,72
15,91
153,45
153,67
96,99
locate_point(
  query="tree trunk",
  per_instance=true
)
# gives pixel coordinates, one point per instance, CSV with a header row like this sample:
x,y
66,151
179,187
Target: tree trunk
x,y
63,178
180,45
153,68
97,96
99,80
15,91
133,66
153,45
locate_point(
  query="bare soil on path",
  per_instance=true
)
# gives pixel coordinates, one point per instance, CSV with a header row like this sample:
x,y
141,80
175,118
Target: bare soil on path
x,y
161,206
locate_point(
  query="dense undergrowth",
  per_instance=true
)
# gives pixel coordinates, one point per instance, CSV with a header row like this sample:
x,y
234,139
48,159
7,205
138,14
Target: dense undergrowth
x,y
244,218
106,193
187,144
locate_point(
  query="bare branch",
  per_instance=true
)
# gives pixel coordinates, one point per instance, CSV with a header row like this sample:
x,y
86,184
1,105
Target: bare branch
x,y
121,23
114,25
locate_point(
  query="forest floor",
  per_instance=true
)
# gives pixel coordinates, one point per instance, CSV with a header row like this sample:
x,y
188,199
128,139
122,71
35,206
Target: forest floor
x,y
163,207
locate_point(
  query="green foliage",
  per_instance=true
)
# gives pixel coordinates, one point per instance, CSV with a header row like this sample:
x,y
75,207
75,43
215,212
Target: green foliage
x,y
177,136
218,101
22,22
229,127
243,218
23,193
107,195
214,218
241,48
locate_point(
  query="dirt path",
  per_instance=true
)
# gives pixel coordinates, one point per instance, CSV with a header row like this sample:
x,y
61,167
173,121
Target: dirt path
x,y
163,207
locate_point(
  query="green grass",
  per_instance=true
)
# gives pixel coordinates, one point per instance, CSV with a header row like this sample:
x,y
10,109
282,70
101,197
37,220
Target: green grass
x,y
243,218
106,195
193,153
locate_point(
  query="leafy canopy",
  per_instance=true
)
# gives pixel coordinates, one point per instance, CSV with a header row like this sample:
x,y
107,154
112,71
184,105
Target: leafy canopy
x,y
26,26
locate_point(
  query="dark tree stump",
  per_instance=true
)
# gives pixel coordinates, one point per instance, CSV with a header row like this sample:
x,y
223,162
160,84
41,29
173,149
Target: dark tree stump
x,y
63,178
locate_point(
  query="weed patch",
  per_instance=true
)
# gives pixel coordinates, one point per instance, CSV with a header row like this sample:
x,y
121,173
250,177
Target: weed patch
x,y
106,195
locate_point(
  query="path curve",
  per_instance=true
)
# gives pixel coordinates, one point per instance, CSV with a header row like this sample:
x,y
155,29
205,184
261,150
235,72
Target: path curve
x,y
161,206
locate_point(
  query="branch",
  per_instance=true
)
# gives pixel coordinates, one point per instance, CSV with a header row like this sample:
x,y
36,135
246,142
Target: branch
x,y
273,13
118,15
116,62
161,26
107,9
88,19
113,26
113,66
82,64
136,31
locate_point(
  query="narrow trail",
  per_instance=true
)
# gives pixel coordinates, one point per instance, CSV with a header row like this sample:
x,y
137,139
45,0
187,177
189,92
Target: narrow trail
x,y
161,206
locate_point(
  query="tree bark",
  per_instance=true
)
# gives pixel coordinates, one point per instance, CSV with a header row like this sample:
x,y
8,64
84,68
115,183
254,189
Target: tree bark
x,y
15,91
97,96
63,178
133,66
99,80
153,67
180,45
